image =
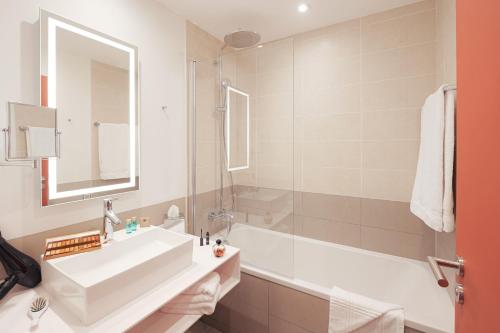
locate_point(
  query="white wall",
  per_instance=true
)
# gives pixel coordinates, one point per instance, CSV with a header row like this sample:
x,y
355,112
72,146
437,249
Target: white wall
x,y
160,37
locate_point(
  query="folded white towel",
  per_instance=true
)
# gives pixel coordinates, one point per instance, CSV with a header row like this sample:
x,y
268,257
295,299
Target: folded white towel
x,y
207,286
114,152
193,299
41,142
194,308
432,197
350,312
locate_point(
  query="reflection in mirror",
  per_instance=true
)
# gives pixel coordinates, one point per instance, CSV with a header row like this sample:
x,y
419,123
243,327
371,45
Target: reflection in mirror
x,y
32,132
237,129
92,79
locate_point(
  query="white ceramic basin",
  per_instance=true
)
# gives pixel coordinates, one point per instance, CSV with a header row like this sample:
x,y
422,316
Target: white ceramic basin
x,y
94,284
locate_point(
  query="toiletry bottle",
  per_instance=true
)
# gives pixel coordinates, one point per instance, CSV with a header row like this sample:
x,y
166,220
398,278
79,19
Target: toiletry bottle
x,y
134,223
201,237
128,226
207,238
219,249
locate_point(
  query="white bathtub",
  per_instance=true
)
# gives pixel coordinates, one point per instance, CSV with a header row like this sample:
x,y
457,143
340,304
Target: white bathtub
x,y
314,267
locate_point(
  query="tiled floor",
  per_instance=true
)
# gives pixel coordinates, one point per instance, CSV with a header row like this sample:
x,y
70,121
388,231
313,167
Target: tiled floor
x,y
200,327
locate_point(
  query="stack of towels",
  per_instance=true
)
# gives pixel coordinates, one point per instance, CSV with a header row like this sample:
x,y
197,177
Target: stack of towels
x,y
353,313
200,299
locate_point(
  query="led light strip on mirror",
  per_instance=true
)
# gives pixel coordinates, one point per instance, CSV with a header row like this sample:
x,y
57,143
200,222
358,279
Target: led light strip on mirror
x,y
52,25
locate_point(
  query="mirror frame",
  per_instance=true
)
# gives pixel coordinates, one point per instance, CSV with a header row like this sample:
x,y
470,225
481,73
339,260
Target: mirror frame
x,y
230,89
49,22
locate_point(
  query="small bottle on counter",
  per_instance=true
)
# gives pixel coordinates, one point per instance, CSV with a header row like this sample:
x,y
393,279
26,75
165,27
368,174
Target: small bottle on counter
x,y
134,223
128,226
219,249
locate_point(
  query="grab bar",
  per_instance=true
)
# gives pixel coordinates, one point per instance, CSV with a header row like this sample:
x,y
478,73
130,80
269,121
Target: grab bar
x,y
436,264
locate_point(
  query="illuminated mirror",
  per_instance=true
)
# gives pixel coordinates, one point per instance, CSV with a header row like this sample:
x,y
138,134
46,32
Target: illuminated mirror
x,y
91,78
237,129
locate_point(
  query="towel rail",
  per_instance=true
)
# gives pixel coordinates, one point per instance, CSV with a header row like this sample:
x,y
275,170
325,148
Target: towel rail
x,y
450,87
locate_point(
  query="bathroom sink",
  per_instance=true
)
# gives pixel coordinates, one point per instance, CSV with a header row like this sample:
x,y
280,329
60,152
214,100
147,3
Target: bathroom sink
x,y
94,284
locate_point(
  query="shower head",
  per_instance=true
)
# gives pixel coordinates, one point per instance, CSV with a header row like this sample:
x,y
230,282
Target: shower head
x,y
242,39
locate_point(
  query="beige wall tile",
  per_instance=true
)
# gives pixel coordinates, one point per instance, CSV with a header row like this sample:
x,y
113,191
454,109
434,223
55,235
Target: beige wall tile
x,y
338,41
326,73
300,309
390,215
332,180
330,231
276,82
274,106
274,128
330,127
400,11
330,207
397,243
246,83
411,330
395,185
251,290
246,62
417,60
329,100
396,93
391,154
275,153
278,177
392,125
336,154
278,325
275,55
399,32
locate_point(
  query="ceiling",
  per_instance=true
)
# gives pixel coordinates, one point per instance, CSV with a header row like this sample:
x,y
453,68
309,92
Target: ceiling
x,y
274,19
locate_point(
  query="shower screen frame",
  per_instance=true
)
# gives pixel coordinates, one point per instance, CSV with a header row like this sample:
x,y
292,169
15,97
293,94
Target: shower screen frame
x,y
229,90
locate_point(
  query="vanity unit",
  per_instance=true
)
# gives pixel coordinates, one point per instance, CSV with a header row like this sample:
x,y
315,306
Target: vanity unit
x,y
122,286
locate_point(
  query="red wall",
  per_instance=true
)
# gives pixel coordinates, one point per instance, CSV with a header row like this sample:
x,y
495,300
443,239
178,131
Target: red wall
x,y
478,163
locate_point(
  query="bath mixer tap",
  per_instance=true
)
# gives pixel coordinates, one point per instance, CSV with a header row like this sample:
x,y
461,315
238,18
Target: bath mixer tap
x,y
110,219
225,216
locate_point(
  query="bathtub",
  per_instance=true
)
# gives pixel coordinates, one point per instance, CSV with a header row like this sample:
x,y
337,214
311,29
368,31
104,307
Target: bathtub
x,y
314,267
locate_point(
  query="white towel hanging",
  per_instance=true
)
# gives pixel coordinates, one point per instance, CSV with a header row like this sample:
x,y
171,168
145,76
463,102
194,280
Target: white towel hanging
x,y
432,197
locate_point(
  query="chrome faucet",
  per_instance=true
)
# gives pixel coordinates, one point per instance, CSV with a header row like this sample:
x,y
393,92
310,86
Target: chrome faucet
x,y
110,219
223,215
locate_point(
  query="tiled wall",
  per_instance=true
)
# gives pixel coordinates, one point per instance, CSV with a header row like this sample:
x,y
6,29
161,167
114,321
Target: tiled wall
x,y
260,306
359,87
267,75
335,126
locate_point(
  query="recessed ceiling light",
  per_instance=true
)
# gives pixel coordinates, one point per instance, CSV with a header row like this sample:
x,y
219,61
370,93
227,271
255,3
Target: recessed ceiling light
x,y
259,46
302,8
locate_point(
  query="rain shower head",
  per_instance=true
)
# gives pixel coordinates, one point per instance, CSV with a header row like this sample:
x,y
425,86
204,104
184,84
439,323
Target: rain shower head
x,y
242,39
